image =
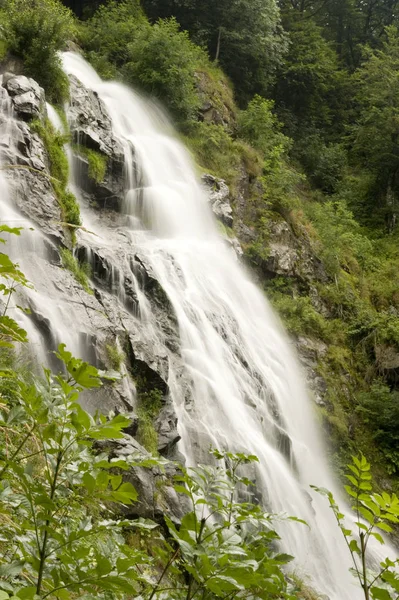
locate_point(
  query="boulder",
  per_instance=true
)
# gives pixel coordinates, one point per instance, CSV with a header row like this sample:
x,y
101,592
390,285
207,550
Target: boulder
x,y
27,95
387,362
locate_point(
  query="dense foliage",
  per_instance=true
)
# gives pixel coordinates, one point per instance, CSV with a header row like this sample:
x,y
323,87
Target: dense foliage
x,y
375,514
313,148
35,31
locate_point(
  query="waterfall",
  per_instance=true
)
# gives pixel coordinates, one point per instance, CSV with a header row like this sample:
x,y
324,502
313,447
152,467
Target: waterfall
x,y
240,386
248,393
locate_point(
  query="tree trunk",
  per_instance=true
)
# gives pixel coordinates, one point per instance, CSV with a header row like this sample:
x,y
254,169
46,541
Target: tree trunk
x,y
218,44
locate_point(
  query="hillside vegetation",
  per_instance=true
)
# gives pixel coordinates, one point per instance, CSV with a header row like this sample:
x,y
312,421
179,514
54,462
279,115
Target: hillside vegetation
x,y
296,105
308,117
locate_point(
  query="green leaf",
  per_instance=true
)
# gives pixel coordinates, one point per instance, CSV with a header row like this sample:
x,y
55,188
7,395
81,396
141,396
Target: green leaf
x,y
89,482
384,526
378,537
10,329
126,494
380,594
84,374
26,593
104,566
11,569
353,546
367,514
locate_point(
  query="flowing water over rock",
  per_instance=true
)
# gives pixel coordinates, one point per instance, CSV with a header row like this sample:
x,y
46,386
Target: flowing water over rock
x,y
166,282
238,384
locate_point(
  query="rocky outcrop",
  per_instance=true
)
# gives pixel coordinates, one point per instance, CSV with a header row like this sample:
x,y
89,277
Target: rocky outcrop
x,y
310,353
288,254
24,157
91,128
219,198
387,362
217,103
27,96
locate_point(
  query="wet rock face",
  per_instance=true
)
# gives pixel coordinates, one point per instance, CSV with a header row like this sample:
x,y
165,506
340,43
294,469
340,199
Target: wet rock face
x,y
27,96
24,153
91,128
90,123
166,428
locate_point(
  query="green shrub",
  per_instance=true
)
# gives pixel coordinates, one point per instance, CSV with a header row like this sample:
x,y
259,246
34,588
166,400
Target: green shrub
x,y
36,30
324,163
159,59
108,32
162,61
3,48
259,126
213,149
81,271
379,407
342,242
299,316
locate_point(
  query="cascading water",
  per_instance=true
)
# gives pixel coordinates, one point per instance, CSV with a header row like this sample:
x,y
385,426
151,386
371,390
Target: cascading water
x,y
31,250
247,392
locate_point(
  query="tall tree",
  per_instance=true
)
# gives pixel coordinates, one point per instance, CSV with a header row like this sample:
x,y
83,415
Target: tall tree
x,y
376,133
244,36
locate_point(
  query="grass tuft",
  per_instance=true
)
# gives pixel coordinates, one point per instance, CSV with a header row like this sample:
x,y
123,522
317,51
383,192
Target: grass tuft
x,y
81,271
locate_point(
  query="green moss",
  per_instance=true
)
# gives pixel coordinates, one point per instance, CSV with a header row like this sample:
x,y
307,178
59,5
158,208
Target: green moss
x,y
54,143
3,49
149,406
115,356
97,162
146,434
81,271
97,165
225,230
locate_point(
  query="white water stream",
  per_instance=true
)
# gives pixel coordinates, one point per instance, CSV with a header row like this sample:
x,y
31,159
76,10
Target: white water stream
x,y
249,393
247,389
